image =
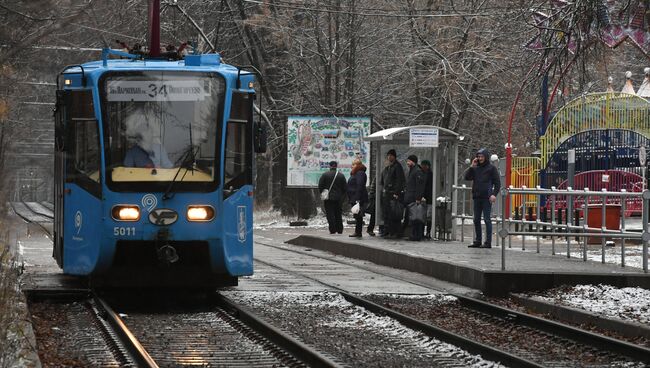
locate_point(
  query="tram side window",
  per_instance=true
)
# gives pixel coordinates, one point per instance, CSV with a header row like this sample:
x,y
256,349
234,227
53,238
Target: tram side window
x,y
237,161
83,149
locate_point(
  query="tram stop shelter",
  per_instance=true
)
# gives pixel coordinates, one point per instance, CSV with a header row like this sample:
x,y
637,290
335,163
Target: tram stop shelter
x,y
427,142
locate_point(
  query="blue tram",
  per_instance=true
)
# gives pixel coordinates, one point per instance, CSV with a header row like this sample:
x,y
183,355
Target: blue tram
x,y
154,170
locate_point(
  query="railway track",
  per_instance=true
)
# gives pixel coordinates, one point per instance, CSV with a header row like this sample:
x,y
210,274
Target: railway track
x,y
500,334
27,212
214,332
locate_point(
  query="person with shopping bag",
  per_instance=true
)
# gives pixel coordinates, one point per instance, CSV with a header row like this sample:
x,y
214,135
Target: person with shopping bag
x,y
332,188
358,195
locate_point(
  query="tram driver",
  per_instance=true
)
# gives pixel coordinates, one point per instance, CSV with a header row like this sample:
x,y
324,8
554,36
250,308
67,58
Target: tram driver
x,y
147,150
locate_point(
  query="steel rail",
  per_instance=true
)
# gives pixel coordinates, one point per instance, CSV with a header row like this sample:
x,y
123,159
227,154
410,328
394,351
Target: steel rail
x,y
471,346
28,220
557,328
136,351
296,348
484,350
37,212
552,327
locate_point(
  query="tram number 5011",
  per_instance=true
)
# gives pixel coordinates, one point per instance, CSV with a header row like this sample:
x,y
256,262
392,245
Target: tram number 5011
x,y
124,231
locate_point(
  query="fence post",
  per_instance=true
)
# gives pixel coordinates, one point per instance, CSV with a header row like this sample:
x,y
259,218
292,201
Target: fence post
x,y
646,236
537,218
603,227
462,218
623,229
504,230
567,223
523,217
585,226
553,223
544,220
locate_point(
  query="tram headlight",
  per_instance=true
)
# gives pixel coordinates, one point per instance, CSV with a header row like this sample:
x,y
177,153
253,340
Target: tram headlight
x,y
126,213
200,213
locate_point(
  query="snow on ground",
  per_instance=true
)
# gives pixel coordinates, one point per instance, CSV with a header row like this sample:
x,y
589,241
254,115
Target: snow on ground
x,y
630,303
437,298
345,315
273,219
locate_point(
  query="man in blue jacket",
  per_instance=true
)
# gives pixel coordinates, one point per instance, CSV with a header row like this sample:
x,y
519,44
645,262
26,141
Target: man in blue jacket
x,y
485,186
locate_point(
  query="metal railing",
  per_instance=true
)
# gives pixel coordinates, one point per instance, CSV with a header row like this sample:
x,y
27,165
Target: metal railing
x,y
569,230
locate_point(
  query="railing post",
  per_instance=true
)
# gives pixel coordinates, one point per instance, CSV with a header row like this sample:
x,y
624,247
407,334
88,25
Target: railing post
x,y
623,229
567,223
504,229
646,236
585,226
537,219
462,219
603,227
553,223
454,211
523,217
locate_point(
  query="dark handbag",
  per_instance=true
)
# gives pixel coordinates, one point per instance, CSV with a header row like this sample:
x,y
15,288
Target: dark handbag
x,y
417,212
370,209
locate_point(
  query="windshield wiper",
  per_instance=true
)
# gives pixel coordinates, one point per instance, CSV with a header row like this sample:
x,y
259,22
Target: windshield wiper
x,y
187,162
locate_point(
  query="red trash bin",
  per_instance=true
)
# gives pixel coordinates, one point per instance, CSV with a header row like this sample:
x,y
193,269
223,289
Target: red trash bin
x,y
595,219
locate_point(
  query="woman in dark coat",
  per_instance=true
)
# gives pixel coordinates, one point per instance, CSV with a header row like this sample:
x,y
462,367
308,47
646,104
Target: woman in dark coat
x,y
357,193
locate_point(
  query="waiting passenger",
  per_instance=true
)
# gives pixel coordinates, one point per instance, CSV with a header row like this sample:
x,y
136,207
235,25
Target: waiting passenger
x,y
358,194
485,187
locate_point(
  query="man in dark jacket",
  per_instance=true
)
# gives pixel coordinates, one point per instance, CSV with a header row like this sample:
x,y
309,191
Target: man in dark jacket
x,y
392,182
413,194
485,187
334,182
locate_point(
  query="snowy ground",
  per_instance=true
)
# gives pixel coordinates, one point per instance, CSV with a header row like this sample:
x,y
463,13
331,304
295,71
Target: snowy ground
x,y
342,315
630,303
273,219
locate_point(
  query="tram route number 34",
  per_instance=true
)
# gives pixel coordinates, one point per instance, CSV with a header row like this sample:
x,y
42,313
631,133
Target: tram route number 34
x,y
124,231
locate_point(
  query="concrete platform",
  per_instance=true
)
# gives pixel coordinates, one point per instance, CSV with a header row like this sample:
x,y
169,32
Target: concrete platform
x,y
478,268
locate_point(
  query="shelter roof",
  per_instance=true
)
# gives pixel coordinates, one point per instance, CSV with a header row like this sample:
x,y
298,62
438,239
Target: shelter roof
x,y
402,132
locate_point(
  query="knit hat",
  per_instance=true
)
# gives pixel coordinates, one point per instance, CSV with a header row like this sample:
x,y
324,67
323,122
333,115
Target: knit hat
x,y
413,158
391,152
426,162
333,164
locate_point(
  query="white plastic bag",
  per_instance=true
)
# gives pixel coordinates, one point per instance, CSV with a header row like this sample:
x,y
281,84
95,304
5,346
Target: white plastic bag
x,y
325,194
356,209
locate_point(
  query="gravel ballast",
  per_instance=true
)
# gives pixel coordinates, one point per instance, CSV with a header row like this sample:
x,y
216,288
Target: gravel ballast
x,y
351,334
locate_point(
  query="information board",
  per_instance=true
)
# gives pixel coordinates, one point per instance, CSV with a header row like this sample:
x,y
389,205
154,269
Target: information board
x,y
425,137
314,141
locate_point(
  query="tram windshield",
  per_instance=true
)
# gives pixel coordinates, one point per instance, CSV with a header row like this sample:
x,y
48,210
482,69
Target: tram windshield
x,y
162,126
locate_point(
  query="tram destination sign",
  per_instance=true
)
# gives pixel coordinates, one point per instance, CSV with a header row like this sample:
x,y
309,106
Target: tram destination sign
x,y
426,137
155,90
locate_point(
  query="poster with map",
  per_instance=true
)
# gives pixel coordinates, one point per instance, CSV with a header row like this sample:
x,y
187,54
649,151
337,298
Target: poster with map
x,y
313,141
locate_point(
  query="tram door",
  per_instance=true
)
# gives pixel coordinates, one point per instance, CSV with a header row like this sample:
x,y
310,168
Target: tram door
x,y
77,180
238,172
59,164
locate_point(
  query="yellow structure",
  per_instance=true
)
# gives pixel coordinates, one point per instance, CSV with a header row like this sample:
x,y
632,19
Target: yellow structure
x,y
525,172
595,111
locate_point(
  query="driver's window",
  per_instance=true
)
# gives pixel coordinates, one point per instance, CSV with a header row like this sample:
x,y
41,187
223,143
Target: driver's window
x,y
238,157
